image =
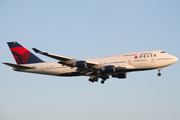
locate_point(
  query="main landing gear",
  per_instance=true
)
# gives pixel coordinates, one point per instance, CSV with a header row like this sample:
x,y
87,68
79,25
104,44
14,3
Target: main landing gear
x,y
159,71
93,79
104,77
102,81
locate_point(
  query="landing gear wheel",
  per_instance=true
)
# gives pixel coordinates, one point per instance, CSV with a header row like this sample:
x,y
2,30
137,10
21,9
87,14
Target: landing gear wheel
x,y
91,80
159,74
102,82
159,70
96,79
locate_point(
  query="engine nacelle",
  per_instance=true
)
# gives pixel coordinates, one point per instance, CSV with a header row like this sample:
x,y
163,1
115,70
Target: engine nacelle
x,y
109,69
120,75
80,64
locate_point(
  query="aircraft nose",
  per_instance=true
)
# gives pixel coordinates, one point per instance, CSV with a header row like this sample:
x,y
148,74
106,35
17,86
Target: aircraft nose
x,y
175,59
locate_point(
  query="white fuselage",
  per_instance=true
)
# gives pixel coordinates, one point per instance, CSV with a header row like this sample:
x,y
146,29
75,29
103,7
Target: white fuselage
x,y
135,61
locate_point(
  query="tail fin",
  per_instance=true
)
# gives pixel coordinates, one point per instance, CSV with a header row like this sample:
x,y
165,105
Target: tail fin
x,y
22,55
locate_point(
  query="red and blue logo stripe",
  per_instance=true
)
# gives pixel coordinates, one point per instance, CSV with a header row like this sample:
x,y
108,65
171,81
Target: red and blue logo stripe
x,y
22,55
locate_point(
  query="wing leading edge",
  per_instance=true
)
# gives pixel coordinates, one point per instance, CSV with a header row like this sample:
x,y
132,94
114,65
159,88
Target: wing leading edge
x,y
70,62
57,57
64,60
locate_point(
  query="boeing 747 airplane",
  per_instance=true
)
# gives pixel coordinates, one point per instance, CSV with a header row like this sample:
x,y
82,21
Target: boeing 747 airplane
x,y
116,66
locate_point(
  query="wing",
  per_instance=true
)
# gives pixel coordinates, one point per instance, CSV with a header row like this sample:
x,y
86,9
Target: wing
x,y
65,60
57,57
83,66
18,66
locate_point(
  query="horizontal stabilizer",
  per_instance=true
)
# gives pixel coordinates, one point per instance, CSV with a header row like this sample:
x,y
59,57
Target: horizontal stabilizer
x,y
18,66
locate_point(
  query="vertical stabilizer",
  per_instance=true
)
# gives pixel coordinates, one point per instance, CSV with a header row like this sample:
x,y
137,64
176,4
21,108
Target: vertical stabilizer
x,y
22,55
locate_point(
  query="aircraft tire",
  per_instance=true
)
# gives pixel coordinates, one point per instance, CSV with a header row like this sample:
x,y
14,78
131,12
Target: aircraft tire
x,y
102,82
159,74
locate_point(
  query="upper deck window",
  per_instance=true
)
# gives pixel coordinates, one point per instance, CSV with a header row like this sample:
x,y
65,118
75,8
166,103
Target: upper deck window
x,y
163,52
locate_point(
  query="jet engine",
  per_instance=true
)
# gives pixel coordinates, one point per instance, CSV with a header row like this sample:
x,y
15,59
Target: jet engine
x,y
109,69
120,75
80,64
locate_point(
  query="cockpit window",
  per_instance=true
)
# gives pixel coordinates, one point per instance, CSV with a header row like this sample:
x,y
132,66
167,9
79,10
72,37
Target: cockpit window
x,y
163,52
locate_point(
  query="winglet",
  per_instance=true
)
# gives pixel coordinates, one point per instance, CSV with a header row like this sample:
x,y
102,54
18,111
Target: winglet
x,y
36,50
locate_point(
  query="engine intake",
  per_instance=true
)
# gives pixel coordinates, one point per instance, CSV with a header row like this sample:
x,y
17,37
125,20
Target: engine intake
x,y
108,69
80,64
120,75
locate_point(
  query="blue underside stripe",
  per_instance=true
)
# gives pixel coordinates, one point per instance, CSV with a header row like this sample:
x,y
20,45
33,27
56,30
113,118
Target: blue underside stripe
x,y
70,74
118,71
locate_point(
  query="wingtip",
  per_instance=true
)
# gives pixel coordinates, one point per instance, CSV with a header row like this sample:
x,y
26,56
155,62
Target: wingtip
x,y
4,63
36,50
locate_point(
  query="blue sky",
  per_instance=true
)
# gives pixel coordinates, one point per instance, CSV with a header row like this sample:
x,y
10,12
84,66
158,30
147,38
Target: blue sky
x,y
85,29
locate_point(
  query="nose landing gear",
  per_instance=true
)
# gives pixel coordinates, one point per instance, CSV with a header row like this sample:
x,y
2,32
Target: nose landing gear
x,y
159,71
